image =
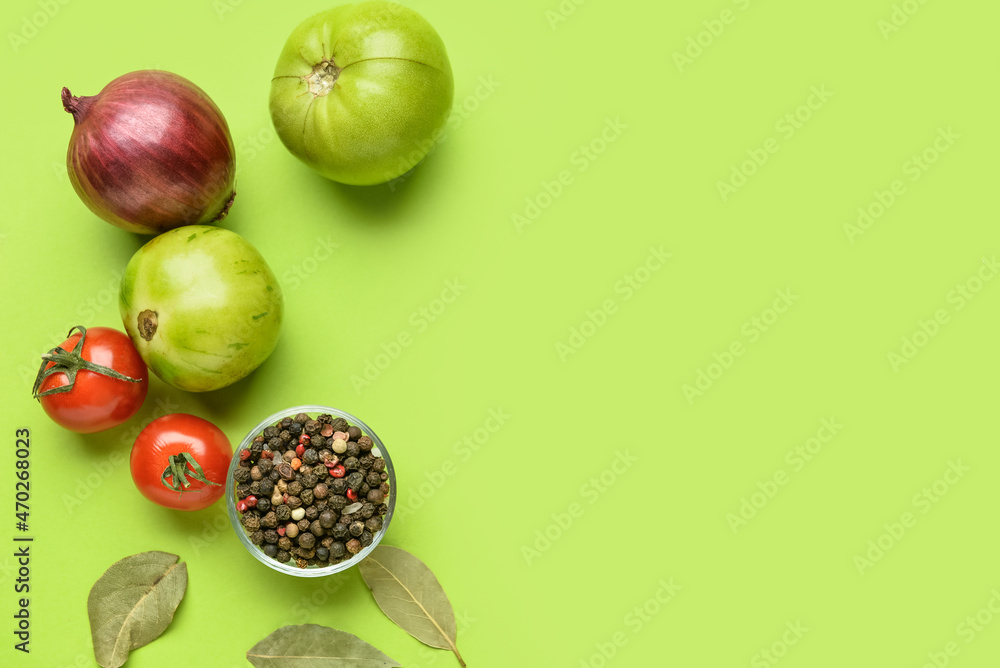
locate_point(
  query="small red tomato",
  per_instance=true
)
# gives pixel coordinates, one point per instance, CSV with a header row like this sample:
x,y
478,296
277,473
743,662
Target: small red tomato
x,y
181,461
94,381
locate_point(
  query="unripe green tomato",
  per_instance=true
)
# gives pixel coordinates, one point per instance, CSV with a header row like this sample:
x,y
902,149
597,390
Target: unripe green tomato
x,y
362,92
201,306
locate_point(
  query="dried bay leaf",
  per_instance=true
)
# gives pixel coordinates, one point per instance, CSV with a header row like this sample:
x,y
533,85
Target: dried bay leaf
x,y
315,646
133,603
411,596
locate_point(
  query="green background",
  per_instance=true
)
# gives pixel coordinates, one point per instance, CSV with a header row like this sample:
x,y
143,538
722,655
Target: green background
x,y
663,521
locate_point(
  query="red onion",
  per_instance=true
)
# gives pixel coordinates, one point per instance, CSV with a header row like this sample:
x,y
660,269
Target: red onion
x,y
151,152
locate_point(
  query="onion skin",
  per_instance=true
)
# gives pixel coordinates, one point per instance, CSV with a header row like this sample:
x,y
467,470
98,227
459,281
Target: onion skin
x,y
151,152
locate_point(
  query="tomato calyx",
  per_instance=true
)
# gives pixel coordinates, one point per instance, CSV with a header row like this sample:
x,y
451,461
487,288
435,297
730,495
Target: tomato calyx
x,y
70,363
178,470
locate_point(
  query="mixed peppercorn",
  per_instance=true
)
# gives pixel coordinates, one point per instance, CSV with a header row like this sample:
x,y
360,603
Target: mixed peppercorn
x,y
311,491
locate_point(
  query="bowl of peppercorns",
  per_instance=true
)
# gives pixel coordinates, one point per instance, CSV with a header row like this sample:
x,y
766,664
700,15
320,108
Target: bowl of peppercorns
x,y
311,491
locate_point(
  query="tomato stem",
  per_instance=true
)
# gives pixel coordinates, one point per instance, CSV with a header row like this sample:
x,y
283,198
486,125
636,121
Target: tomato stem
x,y
178,470
70,363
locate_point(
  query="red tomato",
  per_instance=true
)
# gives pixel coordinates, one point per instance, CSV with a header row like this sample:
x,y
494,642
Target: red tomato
x,y
95,401
175,455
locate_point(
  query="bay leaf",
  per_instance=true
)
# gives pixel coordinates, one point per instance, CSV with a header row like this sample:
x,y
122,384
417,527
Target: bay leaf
x,y
315,646
133,603
411,596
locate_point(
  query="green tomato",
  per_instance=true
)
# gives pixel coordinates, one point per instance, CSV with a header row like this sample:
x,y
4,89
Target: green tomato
x,y
362,92
201,306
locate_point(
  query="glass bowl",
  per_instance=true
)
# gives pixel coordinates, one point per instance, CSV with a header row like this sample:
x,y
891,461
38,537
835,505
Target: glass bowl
x,y
291,568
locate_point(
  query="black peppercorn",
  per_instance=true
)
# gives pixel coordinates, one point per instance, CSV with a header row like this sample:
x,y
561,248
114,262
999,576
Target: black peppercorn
x,y
355,480
273,443
241,474
378,464
263,504
338,485
327,518
372,479
365,443
286,471
382,509
351,463
307,497
285,436
255,488
283,556
271,536
354,432
293,502
310,427
269,521
258,537
353,449
294,488
356,528
346,519
367,510
295,429
288,456
376,496
321,491
322,554
301,418
310,456
340,424
265,466
324,418
271,550
285,543
266,487
283,513
353,546
337,502
273,476
366,538
242,490
384,487
312,513
337,550
340,531
327,542
315,528
251,521
307,540
383,475
364,489
373,523
366,461
270,432
303,525
308,479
